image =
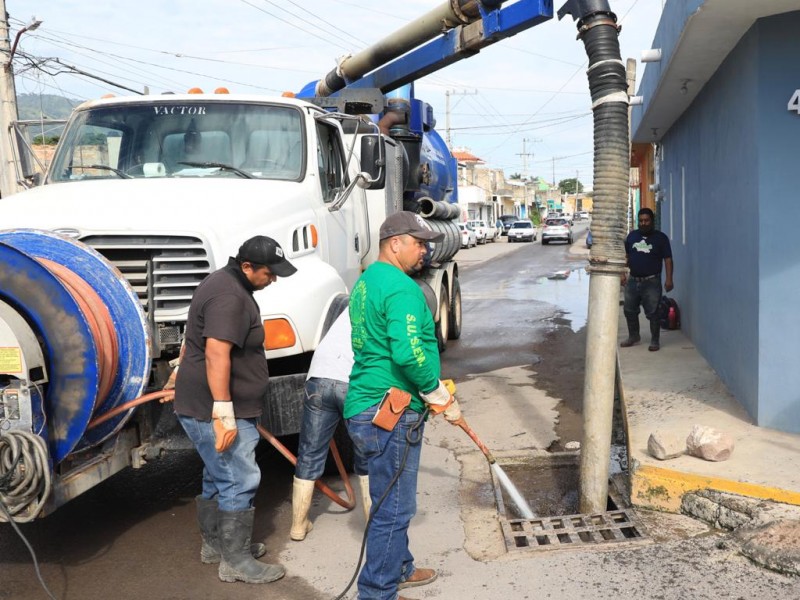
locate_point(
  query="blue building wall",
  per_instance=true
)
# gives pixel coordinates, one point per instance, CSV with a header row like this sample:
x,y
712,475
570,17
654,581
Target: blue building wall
x,y
779,216
737,263
710,175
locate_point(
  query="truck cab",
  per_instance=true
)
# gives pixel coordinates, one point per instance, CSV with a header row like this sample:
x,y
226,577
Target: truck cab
x,y
167,188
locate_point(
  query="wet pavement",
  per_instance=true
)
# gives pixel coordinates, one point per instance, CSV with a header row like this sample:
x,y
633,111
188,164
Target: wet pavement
x,y
519,370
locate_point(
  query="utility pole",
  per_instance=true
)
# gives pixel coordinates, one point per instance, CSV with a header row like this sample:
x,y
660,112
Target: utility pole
x,y
447,95
8,105
8,111
525,156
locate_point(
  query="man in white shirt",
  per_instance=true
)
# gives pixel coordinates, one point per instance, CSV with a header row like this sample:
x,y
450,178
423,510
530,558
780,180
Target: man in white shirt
x,y
325,388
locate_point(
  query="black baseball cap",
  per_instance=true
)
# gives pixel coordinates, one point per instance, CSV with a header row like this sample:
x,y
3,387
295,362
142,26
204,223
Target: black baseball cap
x,y
263,250
406,222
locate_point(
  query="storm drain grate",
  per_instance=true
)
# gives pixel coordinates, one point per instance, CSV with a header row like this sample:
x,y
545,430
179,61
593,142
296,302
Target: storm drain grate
x,y
570,531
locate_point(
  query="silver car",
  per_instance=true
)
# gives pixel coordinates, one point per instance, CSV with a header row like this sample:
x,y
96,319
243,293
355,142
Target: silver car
x,y
556,229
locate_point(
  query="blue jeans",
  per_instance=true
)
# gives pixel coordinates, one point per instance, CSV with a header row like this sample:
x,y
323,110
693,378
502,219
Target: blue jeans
x,y
230,477
646,293
322,411
389,561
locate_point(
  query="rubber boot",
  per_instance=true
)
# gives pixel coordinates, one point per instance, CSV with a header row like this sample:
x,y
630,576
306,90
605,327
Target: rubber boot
x,y
633,332
366,500
207,520
237,564
655,336
302,492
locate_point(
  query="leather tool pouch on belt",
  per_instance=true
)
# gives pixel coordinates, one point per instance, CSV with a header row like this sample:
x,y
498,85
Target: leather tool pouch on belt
x,y
394,404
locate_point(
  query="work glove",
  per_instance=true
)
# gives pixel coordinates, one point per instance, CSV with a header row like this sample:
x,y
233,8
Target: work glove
x,y
453,412
224,423
441,400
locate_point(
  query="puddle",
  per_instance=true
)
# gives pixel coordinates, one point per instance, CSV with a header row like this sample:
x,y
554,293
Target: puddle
x,y
569,290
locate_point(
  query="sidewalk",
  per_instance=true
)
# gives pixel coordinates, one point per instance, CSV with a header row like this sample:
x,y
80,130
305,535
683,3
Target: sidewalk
x,y
675,389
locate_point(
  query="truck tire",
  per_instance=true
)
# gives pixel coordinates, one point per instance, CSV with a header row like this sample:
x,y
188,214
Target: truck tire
x,y
455,312
443,325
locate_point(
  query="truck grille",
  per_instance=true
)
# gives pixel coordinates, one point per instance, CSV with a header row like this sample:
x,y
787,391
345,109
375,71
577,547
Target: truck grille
x,y
162,270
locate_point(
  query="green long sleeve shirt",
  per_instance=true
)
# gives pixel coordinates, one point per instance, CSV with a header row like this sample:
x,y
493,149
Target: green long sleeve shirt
x,y
394,339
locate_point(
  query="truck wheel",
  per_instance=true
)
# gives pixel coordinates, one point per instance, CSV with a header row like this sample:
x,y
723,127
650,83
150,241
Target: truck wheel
x,y
443,326
455,312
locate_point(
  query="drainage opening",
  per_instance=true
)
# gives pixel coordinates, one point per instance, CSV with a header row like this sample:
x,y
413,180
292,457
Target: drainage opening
x,y
550,486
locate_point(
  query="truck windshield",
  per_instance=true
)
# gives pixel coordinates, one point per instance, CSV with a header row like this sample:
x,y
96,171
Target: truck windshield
x,y
181,138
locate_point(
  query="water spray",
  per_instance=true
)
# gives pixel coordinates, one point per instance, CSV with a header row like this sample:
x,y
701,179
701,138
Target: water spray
x,y
502,477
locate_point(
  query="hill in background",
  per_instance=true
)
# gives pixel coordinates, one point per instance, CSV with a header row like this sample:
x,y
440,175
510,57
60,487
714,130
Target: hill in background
x,y
31,107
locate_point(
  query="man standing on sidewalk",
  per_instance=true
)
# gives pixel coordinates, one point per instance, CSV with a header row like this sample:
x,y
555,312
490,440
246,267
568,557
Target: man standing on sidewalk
x,y
395,347
645,248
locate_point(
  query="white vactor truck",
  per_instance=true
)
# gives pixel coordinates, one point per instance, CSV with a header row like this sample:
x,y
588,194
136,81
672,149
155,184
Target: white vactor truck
x,y
147,195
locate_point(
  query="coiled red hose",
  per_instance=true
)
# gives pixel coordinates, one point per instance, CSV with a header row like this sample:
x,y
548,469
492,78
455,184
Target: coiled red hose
x,y
100,323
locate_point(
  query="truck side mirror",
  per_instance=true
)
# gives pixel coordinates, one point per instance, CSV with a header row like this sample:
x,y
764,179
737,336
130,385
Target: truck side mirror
x,y
373,160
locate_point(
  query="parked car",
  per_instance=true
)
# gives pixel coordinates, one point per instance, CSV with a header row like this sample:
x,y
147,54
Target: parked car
x,y
481,232
492,232
556,229
582,215
506,221
589,238
522,231
468,237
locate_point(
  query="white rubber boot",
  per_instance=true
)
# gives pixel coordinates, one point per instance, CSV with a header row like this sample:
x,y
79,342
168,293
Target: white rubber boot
x,y
302,491
366,500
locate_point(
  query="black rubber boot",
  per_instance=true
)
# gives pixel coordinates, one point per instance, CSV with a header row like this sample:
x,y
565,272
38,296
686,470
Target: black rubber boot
x,y
235,530
207,520
633,332
655,336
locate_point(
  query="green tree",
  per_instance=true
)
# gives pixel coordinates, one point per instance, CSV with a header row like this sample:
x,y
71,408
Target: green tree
x,y
567,186
515,176
49,140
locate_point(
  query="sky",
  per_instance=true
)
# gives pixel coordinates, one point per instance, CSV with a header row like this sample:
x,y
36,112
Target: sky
x,y
521,105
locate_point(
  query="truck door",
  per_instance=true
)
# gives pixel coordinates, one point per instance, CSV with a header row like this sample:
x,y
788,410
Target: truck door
x,y
342,236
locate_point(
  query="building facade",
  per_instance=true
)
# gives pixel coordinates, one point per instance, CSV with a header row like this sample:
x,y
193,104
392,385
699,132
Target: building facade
x,y
717,141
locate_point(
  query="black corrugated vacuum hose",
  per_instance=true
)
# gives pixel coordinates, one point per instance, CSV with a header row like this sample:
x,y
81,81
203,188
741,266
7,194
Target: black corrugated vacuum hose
x,y
597,28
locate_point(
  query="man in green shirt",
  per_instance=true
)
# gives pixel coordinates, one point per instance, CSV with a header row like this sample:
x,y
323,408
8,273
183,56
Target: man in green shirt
x,y
394,345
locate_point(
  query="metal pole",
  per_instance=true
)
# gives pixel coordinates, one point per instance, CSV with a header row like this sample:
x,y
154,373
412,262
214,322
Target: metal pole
x,y
598,391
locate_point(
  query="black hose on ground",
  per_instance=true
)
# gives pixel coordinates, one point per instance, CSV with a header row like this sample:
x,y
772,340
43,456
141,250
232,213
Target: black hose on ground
x,y
597,28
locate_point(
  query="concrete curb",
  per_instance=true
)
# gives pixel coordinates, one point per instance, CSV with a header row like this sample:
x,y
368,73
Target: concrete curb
x,y
663,489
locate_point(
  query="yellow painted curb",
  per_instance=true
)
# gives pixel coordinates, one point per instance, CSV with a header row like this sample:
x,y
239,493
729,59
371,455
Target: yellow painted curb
x,y
662,489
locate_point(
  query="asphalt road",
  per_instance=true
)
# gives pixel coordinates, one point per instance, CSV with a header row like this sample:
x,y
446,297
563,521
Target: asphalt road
x,y
519,368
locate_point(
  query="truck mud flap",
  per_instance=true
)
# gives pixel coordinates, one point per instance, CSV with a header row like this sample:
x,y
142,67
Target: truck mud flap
x,y
283,410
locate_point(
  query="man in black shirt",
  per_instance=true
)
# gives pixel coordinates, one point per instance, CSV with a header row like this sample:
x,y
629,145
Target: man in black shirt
x,y
645,249
219,395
